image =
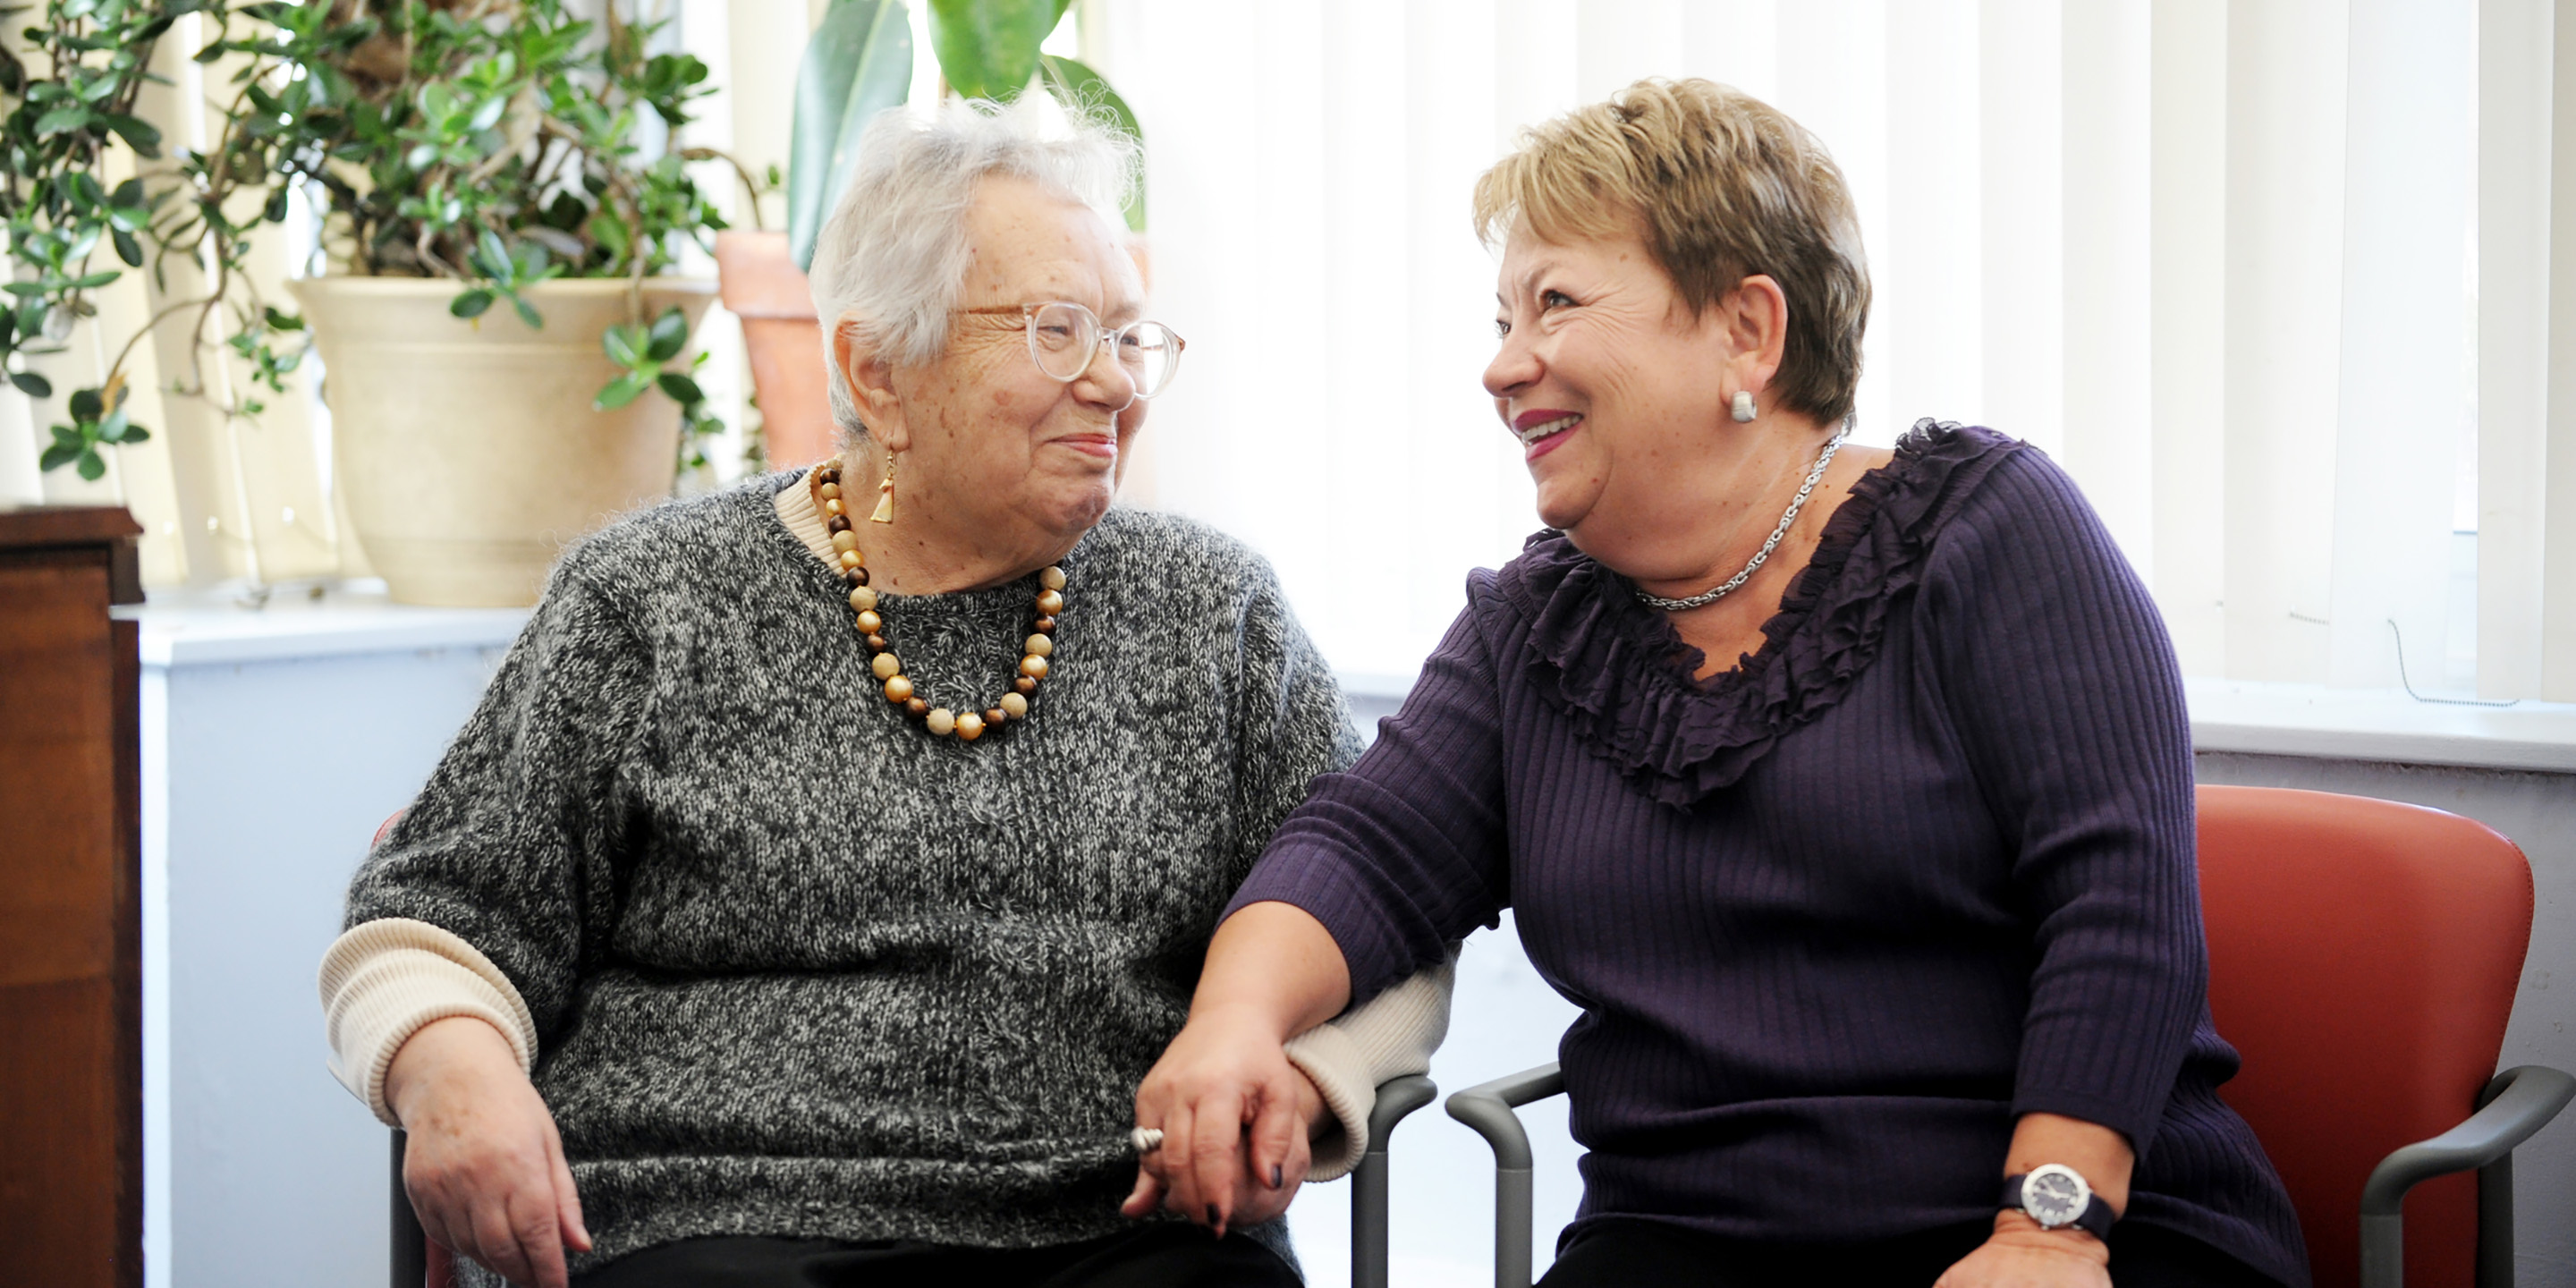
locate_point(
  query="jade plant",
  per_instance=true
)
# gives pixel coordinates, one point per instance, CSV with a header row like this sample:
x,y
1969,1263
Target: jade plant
x,y
859,63
495,143
71,104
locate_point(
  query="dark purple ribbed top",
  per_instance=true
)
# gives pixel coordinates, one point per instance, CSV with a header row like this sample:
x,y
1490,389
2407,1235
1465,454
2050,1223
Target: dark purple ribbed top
x,y
1921,863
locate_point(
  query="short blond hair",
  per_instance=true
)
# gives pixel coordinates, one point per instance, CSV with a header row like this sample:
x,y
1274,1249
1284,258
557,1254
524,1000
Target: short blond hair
x,y
1720,186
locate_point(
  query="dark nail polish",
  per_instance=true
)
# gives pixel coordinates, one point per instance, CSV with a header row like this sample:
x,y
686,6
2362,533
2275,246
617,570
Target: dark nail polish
x,y
1213,1218
1278,1176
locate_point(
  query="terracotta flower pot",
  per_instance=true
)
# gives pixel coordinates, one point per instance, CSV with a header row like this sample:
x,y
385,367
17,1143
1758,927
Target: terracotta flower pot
x,y
468,452
763,287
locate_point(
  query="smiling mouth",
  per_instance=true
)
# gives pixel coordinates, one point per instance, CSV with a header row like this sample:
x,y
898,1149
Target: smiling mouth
x,y
1546,429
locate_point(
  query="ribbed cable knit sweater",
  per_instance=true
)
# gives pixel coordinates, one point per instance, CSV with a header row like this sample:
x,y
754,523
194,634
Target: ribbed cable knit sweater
x,y
784,964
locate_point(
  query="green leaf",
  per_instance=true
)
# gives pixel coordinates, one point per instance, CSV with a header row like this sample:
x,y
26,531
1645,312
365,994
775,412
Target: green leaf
x,y
128,193
62,120
670,332
59,455
528,313
31,384
619,392
112,429
1084,91
858,63
989,48
93,281
282,321
128,249
138,134
92,466
137,434
86,404
624,345
470,304
610,231
681,389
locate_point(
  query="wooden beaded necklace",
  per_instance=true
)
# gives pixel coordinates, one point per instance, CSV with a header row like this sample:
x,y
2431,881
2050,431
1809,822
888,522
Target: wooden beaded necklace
x,y
825,480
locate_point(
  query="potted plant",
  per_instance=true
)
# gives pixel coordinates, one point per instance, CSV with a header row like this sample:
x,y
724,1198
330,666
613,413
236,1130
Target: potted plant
x,y
465,157
859,63
496,343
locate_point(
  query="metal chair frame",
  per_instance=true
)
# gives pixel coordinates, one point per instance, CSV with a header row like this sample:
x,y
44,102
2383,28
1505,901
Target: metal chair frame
x,y
2519,1102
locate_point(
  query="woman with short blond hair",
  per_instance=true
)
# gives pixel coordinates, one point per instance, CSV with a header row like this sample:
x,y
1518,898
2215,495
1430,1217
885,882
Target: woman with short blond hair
x,y
1848,791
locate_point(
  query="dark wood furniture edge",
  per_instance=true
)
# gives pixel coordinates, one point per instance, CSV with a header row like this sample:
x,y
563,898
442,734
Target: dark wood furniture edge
x,y
27,527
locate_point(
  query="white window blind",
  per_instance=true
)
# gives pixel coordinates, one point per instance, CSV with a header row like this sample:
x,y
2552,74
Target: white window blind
x,y
2249,270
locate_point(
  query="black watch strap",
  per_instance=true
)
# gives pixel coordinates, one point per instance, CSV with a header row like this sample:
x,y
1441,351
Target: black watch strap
x,y
2094,1220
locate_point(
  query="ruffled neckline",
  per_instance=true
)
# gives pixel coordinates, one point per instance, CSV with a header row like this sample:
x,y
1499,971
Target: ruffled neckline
x,y
1624,680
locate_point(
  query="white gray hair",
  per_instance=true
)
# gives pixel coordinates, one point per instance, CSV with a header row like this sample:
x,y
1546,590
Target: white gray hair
x,y
892,258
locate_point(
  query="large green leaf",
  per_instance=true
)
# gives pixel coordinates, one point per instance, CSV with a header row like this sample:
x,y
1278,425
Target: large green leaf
x,y
989,48
1083,90
858,64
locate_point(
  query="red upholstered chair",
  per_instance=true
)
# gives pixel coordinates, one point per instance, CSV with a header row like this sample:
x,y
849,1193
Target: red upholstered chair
x,y
2363,956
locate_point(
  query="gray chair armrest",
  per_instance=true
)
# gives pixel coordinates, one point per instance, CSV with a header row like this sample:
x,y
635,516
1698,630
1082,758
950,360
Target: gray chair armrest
x,y
1396,1098
1488,1107
411,1246
2519,1102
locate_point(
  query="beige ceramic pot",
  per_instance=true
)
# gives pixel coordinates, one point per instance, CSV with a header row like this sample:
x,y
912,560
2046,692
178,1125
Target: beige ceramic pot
x,y
468,452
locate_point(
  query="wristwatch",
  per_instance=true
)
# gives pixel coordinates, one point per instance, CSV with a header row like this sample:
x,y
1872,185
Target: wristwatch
x,y
2056,1196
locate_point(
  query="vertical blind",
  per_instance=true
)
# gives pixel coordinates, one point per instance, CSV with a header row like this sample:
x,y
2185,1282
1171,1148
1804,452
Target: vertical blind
x,y
2281,282
2272,278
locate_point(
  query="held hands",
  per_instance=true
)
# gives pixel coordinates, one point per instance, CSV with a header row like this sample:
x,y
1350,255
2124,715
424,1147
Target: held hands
x,y
1234,1114
484,1167
2022,1255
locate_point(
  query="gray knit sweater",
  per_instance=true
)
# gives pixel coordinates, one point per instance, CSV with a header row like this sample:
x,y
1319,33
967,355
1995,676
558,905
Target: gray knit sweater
x,y
796,967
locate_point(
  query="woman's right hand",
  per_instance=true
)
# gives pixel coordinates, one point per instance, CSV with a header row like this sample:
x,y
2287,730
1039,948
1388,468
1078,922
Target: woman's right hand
x,y
484,1167
1235,1116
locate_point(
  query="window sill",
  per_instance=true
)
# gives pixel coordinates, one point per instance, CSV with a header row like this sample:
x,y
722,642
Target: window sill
x,y
2309,720
214,627
2378,724
198,628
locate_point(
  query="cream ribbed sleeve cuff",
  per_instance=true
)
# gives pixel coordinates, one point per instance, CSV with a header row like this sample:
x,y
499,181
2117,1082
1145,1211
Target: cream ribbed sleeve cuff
x,y
1392,1036
385,980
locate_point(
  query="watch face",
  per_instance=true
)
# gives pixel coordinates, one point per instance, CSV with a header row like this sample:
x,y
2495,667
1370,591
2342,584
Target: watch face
x,y
2054,1195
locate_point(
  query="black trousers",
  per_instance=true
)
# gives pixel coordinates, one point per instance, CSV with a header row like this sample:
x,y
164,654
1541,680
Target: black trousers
x,y
1619,1253
1161,1255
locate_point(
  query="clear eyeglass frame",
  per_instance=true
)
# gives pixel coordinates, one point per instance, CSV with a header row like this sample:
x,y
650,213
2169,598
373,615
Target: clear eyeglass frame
x,y
1064,335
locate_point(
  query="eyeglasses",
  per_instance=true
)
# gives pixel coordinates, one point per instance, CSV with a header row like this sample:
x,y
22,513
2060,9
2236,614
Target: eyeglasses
x,y
1063,336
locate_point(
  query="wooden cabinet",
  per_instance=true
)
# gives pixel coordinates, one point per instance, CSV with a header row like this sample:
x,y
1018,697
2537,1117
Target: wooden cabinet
x,y
71,1065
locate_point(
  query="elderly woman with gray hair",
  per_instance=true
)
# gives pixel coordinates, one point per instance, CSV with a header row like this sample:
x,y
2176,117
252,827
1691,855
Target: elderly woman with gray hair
x,y
831,857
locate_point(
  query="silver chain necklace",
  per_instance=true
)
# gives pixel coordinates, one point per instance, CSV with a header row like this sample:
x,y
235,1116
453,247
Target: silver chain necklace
x,y
1787,517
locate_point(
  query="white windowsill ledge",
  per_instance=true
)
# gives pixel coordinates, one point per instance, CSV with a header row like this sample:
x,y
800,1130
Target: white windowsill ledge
x,y
2378,724
2305,720
214,628
210,628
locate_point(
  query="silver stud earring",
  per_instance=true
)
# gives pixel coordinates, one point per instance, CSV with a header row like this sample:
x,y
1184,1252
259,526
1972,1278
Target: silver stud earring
x,y
1742,409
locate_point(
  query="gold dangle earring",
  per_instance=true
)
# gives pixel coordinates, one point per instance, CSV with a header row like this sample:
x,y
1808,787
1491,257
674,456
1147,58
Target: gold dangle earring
x,y
885,495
